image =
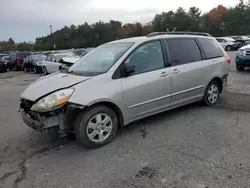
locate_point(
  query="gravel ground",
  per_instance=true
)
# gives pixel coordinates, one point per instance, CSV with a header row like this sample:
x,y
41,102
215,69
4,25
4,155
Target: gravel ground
x,y
189,147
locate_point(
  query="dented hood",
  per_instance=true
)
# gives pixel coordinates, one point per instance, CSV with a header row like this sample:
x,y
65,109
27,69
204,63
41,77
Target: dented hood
x,y
71,60
48,84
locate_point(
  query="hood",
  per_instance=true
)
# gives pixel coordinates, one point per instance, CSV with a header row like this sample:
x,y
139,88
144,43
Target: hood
x,y
247,47
48,84
69,60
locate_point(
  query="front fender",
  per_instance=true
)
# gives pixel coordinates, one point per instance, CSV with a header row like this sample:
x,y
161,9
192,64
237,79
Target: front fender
x,y
99,89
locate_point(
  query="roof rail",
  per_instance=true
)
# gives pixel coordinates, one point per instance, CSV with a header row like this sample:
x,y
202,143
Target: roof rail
x,y
178,33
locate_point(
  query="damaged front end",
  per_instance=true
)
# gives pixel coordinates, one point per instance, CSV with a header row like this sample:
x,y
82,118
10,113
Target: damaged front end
x,y
59,120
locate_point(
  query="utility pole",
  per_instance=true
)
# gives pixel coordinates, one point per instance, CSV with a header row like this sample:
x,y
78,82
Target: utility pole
x,y
54,46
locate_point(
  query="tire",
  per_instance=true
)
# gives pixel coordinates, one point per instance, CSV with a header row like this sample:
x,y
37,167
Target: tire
x,y
35,70
71,137
91,132
211,96
228,48
45,72
25,69
240,68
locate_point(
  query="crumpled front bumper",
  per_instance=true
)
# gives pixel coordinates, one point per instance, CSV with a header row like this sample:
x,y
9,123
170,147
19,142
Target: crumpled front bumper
x,y
36,125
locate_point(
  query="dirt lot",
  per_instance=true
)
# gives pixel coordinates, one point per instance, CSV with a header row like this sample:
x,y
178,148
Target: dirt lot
x,y
190,147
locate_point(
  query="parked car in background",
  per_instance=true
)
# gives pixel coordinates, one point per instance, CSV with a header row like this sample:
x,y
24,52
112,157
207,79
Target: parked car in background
x,y
123,81
17,59
3,63
51,63
66,63
10,52
3,67
79,52
243,58
228,44
33,63
243,40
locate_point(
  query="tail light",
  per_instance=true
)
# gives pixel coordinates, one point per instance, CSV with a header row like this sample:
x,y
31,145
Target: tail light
x,y
228,60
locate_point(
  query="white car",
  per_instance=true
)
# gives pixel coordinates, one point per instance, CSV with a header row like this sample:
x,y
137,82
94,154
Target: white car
x,y
51,64
228,44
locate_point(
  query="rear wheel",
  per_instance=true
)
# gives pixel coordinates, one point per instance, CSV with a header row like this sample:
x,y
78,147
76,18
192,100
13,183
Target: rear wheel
x,y
96,127
240,68
211,94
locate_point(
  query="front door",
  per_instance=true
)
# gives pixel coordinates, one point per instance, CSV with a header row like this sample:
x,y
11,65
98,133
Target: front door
x,y
54,64
147,90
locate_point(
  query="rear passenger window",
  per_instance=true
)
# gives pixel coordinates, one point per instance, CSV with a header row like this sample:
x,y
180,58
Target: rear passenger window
x,y
210,48
183,51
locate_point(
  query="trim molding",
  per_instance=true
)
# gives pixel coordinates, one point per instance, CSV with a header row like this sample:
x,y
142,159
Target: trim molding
x,y
166,96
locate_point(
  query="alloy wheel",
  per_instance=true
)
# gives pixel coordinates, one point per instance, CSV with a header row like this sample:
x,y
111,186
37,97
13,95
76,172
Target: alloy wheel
x,y
99,127
213,94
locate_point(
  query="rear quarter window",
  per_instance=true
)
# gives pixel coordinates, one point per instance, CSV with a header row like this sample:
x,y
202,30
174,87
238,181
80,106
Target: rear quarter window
x,y
211,48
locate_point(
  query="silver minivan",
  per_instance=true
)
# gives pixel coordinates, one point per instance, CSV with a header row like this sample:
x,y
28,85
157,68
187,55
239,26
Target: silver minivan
x,y
124,81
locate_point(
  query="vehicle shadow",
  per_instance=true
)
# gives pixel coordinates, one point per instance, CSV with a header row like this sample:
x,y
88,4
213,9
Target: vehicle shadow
x,y
153,120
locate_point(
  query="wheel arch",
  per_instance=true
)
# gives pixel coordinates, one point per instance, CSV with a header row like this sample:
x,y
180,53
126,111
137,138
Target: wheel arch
x,y
219,81
114,107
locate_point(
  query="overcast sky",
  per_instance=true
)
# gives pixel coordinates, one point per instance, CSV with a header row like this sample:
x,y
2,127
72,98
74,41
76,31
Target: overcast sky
x,y
24,20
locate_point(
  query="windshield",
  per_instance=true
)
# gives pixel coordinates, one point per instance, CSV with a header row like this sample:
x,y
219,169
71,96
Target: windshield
x,y
100,60
245,38
230,39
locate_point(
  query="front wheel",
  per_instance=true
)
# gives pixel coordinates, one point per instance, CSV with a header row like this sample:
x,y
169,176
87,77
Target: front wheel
x,y
35,70
228,48
211,94
45,72
240,68
25,69
96,127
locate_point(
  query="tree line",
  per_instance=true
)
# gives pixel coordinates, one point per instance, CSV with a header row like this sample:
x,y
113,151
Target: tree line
x,y
220,21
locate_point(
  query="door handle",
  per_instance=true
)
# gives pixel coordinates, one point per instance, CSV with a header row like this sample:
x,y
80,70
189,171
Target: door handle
x,y
175,71
164,74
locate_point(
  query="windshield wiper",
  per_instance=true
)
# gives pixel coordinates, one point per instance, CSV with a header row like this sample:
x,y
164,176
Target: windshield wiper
x,y
73,72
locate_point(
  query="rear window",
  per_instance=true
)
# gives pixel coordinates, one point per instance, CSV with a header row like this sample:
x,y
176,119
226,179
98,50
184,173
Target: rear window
x,y
220,40
211,48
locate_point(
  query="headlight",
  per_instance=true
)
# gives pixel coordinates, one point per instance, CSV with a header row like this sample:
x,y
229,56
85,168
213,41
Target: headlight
x,y
240,52
53,100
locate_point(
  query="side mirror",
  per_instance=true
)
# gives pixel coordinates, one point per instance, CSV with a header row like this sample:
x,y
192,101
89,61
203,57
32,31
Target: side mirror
x,y
129,68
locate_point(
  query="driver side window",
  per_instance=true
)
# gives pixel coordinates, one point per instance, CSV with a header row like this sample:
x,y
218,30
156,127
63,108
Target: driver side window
x,y
148,57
